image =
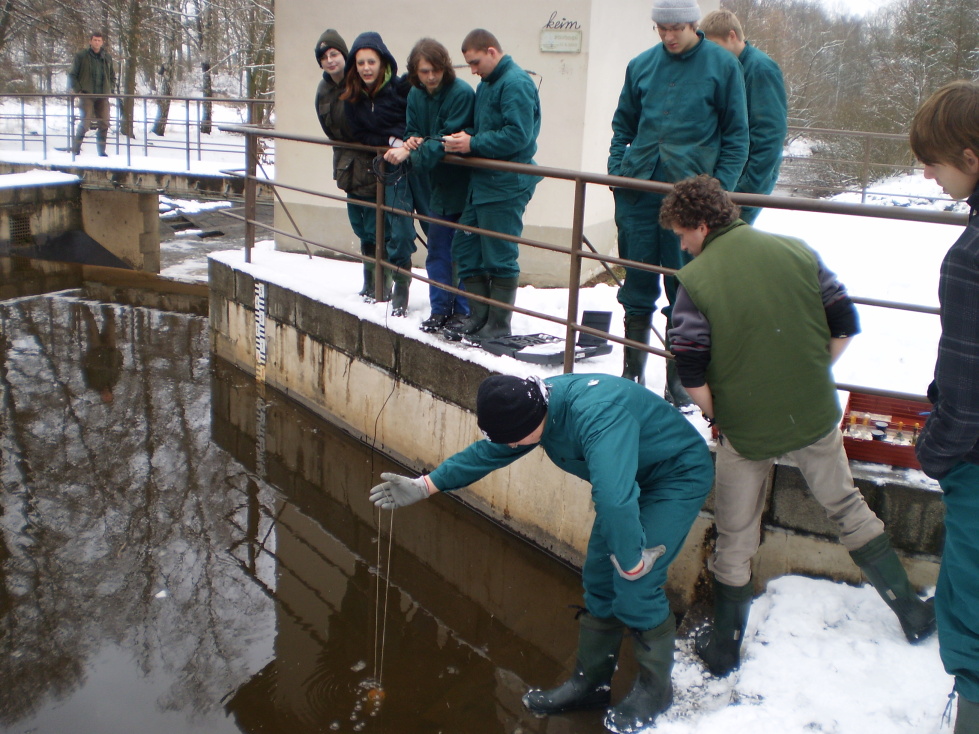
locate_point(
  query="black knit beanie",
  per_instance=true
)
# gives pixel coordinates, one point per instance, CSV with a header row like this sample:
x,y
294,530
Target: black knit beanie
x,y
330,39
508,408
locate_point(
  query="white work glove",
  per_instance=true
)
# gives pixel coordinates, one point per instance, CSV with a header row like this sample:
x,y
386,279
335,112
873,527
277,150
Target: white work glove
x,y
649,556
398,491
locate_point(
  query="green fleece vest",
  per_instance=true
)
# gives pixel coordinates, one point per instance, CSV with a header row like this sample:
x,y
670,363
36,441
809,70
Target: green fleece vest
x,y
770,367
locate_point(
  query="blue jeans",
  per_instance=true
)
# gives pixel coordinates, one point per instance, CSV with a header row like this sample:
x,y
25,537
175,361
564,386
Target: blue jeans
x,y
440,269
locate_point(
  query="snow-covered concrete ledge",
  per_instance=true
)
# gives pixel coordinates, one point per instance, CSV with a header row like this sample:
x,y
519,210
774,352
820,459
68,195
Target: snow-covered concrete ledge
x,y
411,395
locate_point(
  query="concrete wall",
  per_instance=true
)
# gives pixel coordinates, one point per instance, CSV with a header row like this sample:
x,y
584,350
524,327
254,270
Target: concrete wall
x,y
579,92
125,223
48,209
415,403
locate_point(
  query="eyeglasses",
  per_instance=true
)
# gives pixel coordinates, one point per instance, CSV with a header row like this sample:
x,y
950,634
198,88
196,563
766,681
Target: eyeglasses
x,y
661,29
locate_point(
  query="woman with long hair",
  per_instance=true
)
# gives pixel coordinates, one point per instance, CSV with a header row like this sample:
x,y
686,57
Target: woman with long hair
x,y
375,99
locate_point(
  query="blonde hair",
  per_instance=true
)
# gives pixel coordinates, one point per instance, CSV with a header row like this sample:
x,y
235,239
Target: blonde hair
x,y
946,124
720,23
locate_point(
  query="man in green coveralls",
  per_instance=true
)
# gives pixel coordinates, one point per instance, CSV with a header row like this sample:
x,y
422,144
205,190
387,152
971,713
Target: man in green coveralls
x,y
767,107
758,322
681,112
650,472
506,123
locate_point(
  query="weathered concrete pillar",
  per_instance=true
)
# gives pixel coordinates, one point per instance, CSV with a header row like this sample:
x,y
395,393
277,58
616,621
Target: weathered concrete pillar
x,y
125,223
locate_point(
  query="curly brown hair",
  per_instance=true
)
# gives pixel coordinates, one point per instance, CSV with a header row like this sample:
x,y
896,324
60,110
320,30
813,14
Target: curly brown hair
x,y
430,50
695,201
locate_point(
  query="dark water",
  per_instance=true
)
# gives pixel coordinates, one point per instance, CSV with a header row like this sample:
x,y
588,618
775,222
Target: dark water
x,y
180,552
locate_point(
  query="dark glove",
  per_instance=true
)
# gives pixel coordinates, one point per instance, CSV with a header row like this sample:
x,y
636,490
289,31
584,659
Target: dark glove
x,y
398,491
649,556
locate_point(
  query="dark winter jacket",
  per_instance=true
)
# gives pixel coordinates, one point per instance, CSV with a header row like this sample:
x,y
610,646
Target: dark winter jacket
x,y
951,433
351,168
375,119
92,73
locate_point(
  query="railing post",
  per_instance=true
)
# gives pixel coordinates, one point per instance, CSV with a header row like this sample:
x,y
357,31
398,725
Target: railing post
x,y
251,160
380,251
865,173
574,276
187,130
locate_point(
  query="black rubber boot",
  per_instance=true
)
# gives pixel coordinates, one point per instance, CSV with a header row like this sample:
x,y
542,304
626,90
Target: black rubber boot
x,y
368,281
637,328
100,139
478,311
589,686
497,324
675,393
966,717
399,298
652,692
719,645
883,569
76,143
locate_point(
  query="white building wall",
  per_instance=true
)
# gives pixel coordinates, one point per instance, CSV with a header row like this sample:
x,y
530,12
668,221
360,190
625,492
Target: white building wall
x,y
578,93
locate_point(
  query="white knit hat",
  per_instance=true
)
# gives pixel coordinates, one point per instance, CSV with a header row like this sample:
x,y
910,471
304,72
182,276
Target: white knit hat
x,y
675,11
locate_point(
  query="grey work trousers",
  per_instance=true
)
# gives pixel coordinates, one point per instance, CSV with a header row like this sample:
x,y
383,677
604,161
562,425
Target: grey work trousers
x,y
739,498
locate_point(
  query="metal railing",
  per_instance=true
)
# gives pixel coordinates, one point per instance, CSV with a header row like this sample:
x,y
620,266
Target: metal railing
x,y
575,250
45,123
824,176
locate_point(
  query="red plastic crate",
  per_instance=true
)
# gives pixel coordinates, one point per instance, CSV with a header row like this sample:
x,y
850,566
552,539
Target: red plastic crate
x,y
902,417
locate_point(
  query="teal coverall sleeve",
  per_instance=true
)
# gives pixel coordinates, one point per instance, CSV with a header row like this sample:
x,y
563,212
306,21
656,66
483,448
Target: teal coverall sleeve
x,y
473,463
625,124
732,106
768,125
455,114
518,100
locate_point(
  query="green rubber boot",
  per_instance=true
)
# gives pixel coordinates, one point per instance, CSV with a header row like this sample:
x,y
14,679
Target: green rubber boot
x,y
399,298
478,311
883,569
497,318
589,686
637,328
652,692
368,280
719,645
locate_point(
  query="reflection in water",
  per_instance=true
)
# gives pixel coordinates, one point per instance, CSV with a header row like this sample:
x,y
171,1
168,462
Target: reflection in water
x,y
195,555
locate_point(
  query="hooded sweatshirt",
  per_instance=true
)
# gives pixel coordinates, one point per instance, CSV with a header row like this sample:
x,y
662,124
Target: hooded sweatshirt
x,y
376,118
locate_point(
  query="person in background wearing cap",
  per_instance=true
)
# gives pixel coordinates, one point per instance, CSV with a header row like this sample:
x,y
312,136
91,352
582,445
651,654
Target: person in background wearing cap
x,y
650,472
682,111
351,168
767,107
758,323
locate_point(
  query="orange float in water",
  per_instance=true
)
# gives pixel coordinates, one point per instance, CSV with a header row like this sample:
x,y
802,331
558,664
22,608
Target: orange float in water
x,y
375,695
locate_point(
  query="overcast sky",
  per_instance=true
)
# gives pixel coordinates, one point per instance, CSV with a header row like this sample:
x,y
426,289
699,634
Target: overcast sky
x,y
854,7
